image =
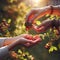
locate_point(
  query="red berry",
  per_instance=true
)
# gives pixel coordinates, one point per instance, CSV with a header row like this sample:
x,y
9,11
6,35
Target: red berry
x,y
47,46
36,37
29,37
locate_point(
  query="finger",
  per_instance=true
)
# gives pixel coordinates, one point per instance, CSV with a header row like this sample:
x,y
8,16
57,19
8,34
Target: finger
x,y
29,41
36,41
27,44
43,27
39,29
24,40
26,35
46,24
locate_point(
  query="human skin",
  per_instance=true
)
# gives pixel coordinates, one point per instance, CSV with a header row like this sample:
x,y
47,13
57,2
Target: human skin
x,y
37,13
14,41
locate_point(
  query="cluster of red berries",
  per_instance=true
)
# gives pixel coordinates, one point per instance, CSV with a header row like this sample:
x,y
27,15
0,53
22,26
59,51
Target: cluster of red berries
x,y
35,38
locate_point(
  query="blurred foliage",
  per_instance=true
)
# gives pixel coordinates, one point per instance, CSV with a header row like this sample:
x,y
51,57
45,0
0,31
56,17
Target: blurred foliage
x,y
12,19
52,34
21,55
52,48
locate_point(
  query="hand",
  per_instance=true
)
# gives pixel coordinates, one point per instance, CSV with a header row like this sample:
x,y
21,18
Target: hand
x,y
36,14
27,39
22,39
35,39
47,24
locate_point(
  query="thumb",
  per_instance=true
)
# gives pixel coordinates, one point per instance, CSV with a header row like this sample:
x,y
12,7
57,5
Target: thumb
x,y
37,40
29,41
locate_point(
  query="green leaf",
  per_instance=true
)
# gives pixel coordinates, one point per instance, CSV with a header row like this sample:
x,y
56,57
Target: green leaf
x,y
11,1
47,15
25,59
38,22
55,48
52,48
27,53
19,51
9,20
21,58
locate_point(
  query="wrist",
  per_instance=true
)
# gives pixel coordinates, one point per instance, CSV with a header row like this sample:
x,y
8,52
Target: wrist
x,y
12,45
8,41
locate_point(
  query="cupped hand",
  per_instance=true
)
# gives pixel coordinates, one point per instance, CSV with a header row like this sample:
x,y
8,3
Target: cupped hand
x,y
27,39
31,40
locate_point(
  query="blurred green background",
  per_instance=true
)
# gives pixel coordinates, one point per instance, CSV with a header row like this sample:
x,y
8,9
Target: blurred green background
x,y
12,18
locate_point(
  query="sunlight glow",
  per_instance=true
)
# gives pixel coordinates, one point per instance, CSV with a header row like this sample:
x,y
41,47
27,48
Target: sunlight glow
x,y
37,3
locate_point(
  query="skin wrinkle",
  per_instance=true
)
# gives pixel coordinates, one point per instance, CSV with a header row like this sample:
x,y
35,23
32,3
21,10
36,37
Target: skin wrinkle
x,y
40,12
